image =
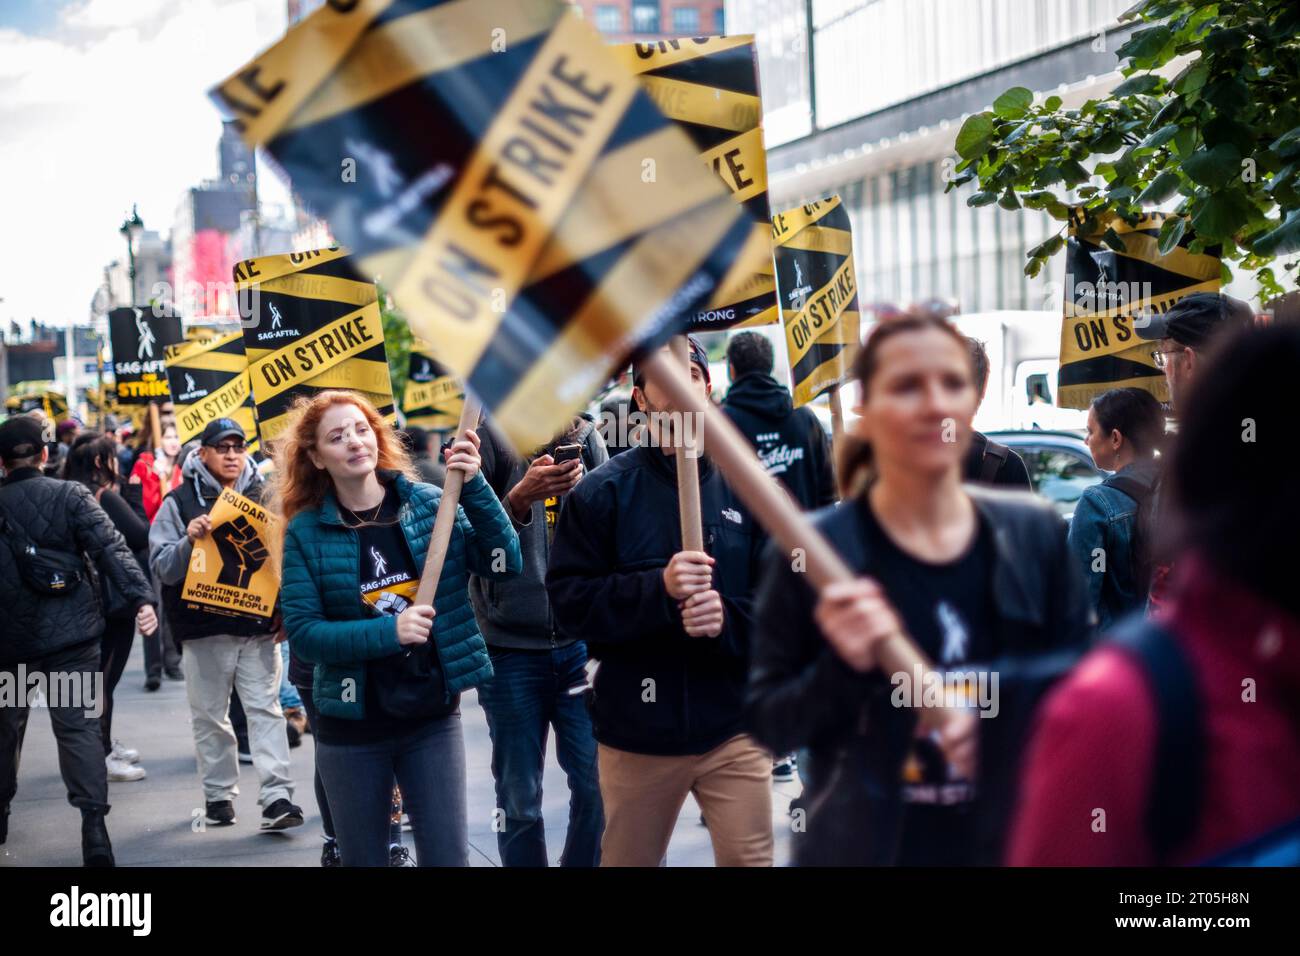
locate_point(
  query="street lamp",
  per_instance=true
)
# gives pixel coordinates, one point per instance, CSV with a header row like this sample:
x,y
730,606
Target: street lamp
x,y
131,230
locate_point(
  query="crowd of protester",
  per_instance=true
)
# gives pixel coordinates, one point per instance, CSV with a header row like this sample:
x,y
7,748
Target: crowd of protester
x,y
1118,689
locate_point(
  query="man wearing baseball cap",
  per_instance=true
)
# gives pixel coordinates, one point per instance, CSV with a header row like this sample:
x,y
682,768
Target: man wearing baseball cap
x,y
223,653
670,629
53,619
1184,333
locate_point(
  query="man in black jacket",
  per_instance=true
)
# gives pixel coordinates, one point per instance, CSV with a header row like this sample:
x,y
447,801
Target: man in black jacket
x,y
670,630
540,670
989,462
53,638
791,443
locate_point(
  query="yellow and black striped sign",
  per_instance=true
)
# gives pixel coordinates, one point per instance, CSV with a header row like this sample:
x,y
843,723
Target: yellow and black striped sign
x,y
491,160
1107,292
209,380
53,404
309,325
819,294
709,85
433,398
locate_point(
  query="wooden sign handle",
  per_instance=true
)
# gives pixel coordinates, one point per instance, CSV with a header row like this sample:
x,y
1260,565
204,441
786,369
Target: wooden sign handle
x,y
775,510
837,418
155,427
446,517
688,464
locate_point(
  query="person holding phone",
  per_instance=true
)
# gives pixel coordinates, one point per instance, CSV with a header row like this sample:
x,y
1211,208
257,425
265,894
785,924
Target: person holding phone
x,y
541,670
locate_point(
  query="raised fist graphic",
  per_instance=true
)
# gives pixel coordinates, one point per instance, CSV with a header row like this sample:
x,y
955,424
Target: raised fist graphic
x,y
242,552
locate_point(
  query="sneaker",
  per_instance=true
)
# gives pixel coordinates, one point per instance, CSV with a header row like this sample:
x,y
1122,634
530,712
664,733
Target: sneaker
x,y
281,815
124,753
783,770
220,813
399,856
245,757
96,848
797,805
4,825
119,771
174,673
329,854
152,682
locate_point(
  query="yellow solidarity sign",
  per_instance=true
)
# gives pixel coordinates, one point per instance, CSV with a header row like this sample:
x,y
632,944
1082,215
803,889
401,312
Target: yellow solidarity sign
x,y
234,568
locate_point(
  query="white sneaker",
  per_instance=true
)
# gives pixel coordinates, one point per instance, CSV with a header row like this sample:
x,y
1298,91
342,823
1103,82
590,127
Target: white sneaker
x,y
124,753
119,771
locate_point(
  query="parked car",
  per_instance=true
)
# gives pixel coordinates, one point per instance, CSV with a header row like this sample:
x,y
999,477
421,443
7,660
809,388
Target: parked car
x,y
1059,464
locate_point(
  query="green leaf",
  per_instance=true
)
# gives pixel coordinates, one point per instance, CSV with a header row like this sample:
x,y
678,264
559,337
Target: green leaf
x,y
1161,136
1288,144
1112,239
1017,133
1281,241
1014,103
974,136
1074,173
1009,200
1171,233
1048,175
1045,250
1146,83
1185,141
1222,214
1214,167
1192,77
1225,273
1160,189
1169,111
1052,104
1145,44
983,198
1108,142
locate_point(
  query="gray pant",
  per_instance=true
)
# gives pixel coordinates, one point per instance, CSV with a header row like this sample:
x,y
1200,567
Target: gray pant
x,y
159,647
212,667
429,766
78,735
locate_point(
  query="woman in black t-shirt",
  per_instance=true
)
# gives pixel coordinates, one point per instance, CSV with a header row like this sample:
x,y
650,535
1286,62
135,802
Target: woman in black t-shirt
x,y
978,579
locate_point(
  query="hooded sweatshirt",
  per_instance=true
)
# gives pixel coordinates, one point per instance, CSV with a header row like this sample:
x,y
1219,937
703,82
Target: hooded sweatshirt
x,y
1095,743
791,443
170,546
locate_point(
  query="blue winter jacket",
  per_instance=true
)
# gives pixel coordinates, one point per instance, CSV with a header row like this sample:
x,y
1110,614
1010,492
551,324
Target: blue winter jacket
x,y
1101,539
329,624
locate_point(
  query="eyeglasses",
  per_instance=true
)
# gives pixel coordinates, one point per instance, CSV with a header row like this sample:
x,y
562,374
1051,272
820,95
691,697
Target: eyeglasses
x,y
1159,357
229,448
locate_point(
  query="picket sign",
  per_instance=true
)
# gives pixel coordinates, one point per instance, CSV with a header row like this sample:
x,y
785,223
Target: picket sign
x,y
777,512
688,464
446,517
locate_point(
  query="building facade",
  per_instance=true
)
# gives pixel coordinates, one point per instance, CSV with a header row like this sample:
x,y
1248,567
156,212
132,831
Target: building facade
x,y
623,21
864,98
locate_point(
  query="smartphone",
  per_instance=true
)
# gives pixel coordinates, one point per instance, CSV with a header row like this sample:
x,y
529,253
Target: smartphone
x,y
566,453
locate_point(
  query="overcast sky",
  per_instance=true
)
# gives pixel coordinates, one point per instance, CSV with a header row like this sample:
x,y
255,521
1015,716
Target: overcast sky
x,y
103,103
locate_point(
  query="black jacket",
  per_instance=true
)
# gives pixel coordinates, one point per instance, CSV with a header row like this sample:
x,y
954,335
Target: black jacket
x,y
801,694
657,690
1011,472
63,516
515,612
791,443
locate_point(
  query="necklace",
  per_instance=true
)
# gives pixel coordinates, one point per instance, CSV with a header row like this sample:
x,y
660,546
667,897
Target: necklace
x,y
360,520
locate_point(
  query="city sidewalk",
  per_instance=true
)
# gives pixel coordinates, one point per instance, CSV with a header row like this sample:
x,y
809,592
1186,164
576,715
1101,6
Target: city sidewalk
x,y
158,821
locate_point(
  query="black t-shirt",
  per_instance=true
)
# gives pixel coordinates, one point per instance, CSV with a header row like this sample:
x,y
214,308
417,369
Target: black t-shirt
x,y
947,609
410,678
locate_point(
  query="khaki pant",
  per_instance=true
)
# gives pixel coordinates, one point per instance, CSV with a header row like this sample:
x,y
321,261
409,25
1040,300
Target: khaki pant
x,y
212,667
643,796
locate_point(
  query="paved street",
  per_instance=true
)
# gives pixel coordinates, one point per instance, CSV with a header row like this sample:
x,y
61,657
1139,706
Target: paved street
x,y
152,821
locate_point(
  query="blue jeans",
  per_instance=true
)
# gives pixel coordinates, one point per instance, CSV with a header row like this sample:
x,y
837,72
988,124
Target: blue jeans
x,y
288,693
429,765
529,694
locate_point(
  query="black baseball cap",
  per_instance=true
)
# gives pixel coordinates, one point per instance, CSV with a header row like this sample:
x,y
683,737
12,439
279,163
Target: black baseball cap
x,y
1194,319
21,437
698,356
220,428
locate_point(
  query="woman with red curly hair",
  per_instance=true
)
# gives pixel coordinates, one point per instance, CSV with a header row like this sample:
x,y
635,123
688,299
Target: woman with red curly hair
x,y
388,672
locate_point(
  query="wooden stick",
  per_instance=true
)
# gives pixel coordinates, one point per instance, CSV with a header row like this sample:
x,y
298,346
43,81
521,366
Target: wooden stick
x,y
776,511
837,419
688,464
155,427
446,517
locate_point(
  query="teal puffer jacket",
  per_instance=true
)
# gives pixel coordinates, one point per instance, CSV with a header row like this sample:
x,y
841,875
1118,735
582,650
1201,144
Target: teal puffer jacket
x,y
328,623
